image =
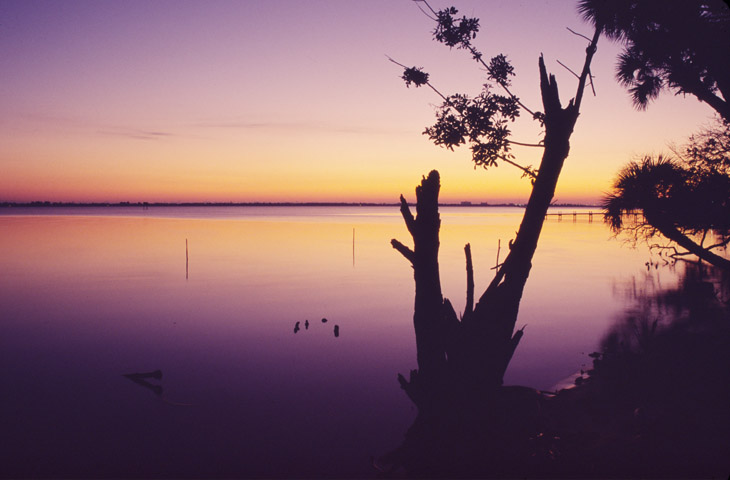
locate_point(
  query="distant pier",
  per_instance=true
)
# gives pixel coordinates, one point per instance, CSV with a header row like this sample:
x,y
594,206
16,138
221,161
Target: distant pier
x,y
633,216
574,214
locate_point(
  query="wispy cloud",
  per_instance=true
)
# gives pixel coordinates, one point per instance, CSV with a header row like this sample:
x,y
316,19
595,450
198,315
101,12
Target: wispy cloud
x,y
83,125
136,134
235,124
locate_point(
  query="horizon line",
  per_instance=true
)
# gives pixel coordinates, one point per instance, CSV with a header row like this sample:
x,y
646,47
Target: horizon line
x,y
46,203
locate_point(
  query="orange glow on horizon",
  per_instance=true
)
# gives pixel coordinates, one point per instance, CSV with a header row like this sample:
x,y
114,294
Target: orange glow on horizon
x,y
301,117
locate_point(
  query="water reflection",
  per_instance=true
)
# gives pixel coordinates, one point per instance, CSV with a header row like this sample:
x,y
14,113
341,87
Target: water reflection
x,y
86,298
661,376
142,380
654,403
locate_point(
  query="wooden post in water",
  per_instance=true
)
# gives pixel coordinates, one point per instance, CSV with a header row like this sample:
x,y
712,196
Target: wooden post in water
x,y
499,247
353,246
186,259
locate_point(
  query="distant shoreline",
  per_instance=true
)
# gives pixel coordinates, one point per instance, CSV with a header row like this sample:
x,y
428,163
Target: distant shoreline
x,y
46,204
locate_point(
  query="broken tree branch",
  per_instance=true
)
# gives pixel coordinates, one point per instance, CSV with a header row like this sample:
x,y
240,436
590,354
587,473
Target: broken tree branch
x,y
407,215
405,251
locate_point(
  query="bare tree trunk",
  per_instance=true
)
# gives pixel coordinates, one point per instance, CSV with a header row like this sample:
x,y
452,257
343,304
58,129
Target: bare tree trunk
x,y
427,317
465,359
467,421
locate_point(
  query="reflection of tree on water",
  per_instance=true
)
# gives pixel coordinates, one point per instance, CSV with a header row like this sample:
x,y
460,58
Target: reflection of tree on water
x,y
142,380
698,302
655,403
662,374
468,423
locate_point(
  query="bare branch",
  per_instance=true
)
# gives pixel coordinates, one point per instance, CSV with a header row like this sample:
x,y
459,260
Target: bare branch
x,y
590,79
528,172
405,251
424,11
590,51
407,216
478,56
426,3
590,76
539,145
579,34
662,248
720,244
397,63
568,69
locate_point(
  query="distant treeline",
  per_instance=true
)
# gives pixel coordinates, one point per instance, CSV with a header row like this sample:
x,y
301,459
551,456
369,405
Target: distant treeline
x,y
258,204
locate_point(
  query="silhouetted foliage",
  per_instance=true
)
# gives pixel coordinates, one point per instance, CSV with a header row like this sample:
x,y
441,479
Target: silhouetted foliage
x,y
469,423
500,70
415,76
454,32
482,121
686,200
651,184
471,354
708,151
681,45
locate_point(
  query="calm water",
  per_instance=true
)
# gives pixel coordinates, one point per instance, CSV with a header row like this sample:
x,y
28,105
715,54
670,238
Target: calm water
x,y
87,295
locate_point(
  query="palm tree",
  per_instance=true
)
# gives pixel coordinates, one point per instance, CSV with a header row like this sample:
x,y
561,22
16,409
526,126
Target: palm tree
x,y
673,203
681,45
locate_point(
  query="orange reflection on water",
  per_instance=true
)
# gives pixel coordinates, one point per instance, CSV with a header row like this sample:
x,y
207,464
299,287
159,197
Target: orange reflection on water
x,y
247,279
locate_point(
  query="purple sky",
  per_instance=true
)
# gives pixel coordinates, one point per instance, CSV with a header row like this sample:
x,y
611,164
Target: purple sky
x,y
286,100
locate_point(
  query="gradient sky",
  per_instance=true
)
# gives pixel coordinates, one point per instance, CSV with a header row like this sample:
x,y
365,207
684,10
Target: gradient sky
x,y
286,100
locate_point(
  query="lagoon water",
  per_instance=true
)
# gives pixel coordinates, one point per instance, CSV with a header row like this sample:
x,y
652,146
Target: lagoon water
x,y
90,294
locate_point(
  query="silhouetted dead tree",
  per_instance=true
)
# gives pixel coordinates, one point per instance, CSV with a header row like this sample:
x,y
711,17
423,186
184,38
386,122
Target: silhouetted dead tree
x,y
463,361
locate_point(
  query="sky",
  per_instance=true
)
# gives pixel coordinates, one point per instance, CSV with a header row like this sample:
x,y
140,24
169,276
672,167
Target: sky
x,y
287,100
